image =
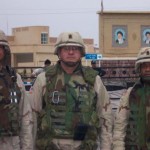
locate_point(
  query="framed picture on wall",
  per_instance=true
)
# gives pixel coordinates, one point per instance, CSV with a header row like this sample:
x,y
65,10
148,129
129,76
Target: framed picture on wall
x,y
119,36
145,35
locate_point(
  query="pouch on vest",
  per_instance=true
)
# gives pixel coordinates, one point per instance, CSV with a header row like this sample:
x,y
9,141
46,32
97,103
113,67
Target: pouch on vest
x,y
9,103
80,132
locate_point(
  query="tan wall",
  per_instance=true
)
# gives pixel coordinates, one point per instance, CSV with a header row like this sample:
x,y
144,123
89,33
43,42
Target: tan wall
x,y
29,35
133,21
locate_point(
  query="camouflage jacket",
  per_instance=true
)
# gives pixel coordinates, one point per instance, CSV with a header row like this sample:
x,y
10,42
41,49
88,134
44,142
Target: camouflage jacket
x,y
130,122
19,142
103,107
121,121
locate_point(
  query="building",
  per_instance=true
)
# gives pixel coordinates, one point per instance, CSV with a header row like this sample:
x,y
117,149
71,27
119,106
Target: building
x,y
32,45
131,26
122,34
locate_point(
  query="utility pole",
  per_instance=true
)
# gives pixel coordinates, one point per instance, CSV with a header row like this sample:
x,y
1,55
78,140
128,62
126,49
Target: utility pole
x,y
102,7
7,25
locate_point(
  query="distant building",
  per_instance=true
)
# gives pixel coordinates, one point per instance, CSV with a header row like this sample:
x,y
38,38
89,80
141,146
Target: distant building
x,y
119,57
32,45
132,24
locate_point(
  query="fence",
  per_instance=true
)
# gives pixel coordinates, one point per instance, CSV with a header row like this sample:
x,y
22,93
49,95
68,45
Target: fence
x,y
116,79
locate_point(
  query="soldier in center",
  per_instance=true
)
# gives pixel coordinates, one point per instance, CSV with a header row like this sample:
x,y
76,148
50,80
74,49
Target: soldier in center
x,y
72,105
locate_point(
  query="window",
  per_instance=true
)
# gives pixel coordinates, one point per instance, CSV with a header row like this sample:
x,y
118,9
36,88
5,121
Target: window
x,y
44,38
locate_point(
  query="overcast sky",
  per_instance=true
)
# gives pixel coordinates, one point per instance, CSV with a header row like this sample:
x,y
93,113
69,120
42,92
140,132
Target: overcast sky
x,y
62,15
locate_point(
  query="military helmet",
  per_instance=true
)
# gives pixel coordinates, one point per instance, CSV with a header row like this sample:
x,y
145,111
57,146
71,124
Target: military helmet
x,y
143,56
69,39
3,39
5,45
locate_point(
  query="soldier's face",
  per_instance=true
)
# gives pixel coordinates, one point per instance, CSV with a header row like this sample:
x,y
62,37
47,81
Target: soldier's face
x,y
70,54
1,53
145,69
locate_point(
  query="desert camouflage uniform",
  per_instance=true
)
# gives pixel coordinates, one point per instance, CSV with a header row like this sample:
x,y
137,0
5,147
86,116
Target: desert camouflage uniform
x,y
132,123
103,111
27,123
84,90
15,142
24,139
131,132
121,122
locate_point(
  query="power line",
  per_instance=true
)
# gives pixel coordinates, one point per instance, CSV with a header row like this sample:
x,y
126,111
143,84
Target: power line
x,y
64,11
49,9
50,13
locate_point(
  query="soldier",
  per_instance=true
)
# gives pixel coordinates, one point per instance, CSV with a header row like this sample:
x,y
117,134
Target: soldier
x,y
76,104
47,63
132,123
12,110
101,72
36,72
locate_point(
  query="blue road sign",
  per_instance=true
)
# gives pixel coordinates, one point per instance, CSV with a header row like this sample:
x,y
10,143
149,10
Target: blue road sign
x,y
93,56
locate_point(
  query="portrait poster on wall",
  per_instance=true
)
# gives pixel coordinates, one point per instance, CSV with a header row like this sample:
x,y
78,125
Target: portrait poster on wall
x,y
145,35
119,36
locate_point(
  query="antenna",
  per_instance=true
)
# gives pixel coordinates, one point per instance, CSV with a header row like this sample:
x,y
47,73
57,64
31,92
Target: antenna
x,y
102,7
7,25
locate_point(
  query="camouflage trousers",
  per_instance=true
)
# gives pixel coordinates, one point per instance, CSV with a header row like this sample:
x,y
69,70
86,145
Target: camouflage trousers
x,y
67,144
63,144
10,143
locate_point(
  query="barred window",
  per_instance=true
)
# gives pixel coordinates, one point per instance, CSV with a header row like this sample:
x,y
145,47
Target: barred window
x,y
44,38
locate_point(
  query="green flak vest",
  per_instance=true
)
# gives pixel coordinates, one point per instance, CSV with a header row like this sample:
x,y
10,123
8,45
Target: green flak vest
x,y
70,106
138,129
9,105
